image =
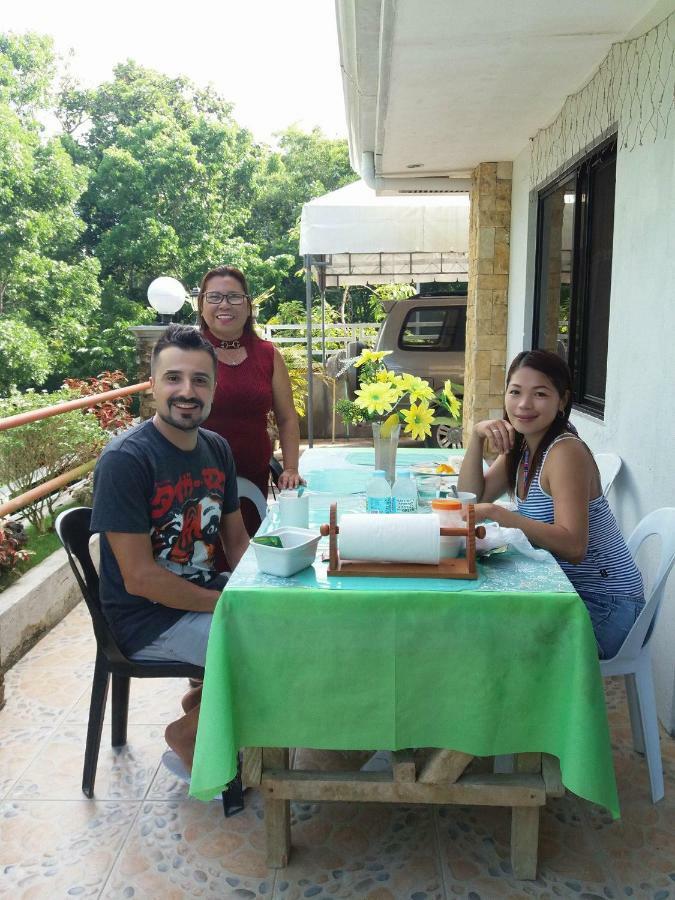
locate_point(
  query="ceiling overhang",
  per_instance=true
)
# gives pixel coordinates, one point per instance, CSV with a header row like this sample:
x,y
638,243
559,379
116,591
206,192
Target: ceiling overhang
x,y
434,87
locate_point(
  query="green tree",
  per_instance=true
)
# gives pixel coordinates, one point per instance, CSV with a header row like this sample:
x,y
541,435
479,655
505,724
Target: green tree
x,y
46,282
305,165
24,360
172,176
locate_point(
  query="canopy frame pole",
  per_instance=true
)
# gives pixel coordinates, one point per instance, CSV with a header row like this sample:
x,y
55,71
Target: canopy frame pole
x,y
310,360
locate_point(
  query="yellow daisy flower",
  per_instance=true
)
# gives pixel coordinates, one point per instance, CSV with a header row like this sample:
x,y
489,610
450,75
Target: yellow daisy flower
x,y
454,405
376,398
419,389
418,420
385,376
371,356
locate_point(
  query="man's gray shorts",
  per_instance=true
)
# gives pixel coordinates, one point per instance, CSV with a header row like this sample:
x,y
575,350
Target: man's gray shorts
x,y
184,642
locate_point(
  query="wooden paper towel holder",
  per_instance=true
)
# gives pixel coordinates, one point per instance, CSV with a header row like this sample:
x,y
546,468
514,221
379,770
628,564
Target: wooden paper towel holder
x,y
461,567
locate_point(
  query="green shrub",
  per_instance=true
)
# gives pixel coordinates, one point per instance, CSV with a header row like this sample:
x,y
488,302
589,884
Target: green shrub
x,y
34,453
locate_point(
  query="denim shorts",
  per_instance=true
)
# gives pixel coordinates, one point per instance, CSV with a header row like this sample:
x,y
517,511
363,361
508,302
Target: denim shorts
x,y
612,617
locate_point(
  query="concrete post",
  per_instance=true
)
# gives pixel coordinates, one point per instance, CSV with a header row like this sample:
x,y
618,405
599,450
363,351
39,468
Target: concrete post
x,y
146,337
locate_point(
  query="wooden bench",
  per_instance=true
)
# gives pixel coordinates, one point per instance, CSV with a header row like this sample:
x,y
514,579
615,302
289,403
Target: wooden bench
x,y
440,778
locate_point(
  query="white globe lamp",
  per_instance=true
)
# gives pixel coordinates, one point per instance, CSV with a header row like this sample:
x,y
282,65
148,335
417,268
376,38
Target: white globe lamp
x,y
166,296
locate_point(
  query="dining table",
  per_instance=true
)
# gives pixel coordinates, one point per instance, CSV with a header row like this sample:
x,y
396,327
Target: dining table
x,y
448,674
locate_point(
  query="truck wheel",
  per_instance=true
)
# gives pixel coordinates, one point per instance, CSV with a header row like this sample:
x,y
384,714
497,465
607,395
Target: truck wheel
x,y
445,436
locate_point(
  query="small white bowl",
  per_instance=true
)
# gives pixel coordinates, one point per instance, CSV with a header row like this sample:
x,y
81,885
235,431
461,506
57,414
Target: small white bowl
x,y
298,551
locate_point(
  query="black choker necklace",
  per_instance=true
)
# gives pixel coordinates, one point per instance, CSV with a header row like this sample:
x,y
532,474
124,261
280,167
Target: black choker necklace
x,y
230,345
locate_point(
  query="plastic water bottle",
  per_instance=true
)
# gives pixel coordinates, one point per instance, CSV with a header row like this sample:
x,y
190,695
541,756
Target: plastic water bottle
x,y
404,493
378,493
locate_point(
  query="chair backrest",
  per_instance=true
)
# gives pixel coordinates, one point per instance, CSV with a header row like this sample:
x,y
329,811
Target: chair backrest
x,y
275,470
73,527
252,492
609,465
660,522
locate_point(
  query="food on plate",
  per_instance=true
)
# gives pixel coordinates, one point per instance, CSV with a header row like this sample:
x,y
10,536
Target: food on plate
x,y
445,469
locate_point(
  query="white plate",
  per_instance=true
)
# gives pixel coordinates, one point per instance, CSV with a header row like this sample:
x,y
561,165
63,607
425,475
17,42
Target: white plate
x,y
424,469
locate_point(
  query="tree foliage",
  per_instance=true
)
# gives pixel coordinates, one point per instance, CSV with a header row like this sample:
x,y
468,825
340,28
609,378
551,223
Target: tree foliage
x,y
47,286
151,175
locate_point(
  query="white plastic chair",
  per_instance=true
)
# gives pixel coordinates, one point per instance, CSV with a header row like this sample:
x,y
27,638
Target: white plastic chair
x,y
252,492
633,660
608,465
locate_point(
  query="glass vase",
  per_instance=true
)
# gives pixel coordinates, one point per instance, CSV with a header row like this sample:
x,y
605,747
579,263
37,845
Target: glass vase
x,y
385,449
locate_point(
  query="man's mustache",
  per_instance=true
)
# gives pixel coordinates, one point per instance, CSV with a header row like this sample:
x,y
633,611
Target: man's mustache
x,y
175,400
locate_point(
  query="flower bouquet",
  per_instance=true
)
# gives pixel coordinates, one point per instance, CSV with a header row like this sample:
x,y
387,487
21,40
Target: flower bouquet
x,y
390,400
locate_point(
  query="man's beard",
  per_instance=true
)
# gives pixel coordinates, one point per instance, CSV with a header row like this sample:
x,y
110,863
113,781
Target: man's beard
x,y
178,423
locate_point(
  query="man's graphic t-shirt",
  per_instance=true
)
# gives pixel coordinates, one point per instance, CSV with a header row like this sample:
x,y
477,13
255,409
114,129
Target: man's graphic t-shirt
x,y
144,484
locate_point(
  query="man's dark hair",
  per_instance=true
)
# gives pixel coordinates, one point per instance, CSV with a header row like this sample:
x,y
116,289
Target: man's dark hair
x,y
186,337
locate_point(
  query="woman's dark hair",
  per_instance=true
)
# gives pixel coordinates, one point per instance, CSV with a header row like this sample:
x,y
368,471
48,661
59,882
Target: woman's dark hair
x,y
558,373
185,337
231,272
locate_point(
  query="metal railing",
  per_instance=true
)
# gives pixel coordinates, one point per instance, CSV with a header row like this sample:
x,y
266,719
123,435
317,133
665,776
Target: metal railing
x,y
337,334
54,484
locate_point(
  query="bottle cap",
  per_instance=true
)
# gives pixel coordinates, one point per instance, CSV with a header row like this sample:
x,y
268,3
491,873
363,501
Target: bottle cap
x,y
446,504
379,472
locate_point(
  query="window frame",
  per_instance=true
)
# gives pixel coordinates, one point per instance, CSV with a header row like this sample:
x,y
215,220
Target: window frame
x,y
445,312
582,173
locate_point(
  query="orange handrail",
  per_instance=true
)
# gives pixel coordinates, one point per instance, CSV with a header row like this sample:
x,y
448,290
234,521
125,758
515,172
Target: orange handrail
x,y
23,500
45,412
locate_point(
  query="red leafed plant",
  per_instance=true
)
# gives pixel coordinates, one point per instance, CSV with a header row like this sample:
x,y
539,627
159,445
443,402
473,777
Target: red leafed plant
x,y
12,539
111,414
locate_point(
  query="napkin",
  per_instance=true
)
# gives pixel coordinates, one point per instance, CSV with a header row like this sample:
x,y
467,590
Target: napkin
x,y
496,536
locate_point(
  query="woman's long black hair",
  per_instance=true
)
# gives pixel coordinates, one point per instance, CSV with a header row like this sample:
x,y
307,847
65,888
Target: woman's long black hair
x,y
558,373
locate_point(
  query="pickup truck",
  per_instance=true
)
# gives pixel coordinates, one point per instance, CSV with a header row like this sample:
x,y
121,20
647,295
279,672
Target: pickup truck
x,y
427,336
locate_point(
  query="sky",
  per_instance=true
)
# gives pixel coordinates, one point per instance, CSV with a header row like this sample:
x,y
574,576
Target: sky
x,y
277,62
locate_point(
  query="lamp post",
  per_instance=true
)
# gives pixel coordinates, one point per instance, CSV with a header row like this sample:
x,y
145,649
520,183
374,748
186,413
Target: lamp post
x,y
166,296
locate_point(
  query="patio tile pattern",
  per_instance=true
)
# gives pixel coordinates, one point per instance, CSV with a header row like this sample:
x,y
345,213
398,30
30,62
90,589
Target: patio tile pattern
x,y
142,837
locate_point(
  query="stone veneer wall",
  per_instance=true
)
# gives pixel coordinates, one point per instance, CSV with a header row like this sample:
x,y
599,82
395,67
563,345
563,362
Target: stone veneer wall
x,y
489,229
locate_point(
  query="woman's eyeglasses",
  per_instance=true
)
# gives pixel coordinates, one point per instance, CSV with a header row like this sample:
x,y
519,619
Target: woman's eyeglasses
x,y
233,298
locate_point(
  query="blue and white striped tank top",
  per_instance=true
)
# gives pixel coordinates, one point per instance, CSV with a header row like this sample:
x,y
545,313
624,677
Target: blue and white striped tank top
x,y
608,567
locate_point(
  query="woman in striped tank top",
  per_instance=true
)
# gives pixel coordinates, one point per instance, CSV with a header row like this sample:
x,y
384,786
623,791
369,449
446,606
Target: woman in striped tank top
x,y
551,473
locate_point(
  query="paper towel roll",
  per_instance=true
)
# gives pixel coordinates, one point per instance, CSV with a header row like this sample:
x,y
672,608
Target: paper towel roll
x,y
391,538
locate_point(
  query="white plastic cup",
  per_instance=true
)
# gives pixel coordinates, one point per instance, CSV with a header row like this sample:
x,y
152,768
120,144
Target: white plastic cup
x,y
293,510
464,497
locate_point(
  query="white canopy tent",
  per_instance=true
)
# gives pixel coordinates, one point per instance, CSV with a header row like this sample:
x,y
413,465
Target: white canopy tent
x,y
367,239
351,236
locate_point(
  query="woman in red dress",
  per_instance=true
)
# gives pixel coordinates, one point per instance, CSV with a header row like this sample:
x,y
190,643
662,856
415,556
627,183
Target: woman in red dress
x,y
252,380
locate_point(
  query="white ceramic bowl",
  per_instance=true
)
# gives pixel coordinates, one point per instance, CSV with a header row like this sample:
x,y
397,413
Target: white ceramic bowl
x,y
298,551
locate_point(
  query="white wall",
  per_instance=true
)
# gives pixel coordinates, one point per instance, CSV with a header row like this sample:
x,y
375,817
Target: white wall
x,y
521,262
639,421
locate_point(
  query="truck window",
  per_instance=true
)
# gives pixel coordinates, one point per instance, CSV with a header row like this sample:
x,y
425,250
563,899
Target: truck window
x,y
440,328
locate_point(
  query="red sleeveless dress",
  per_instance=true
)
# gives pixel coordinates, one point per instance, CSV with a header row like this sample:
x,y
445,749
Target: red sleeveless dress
x,y
242,400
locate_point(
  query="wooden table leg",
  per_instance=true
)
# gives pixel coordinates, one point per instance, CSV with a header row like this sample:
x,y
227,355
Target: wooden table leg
x,y
525,825
277,813
524,841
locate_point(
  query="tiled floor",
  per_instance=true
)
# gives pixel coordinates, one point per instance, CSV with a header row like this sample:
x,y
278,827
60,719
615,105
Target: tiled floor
x,y
143,838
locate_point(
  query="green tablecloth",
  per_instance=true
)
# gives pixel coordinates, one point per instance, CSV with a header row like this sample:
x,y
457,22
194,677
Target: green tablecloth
x,y
457,664
507,663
